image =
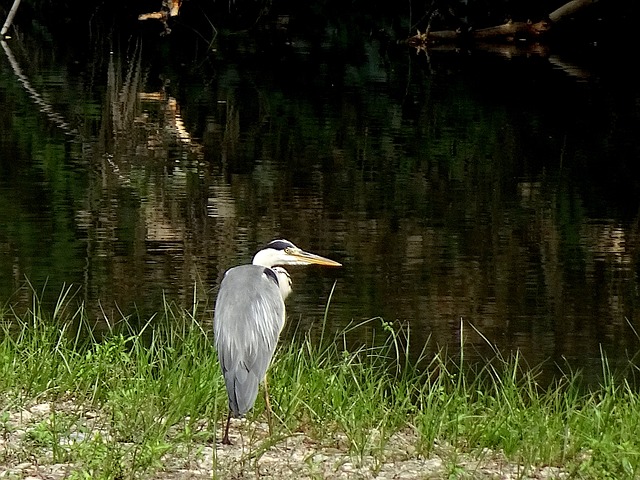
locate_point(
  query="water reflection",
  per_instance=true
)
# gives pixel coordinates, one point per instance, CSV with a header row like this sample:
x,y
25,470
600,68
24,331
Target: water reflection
x,y
468,188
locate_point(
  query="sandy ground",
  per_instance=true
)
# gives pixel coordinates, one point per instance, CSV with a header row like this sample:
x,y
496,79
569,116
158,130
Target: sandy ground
x,y
253,455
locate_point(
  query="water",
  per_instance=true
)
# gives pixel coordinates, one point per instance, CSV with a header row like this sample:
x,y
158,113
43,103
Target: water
x,y
456,188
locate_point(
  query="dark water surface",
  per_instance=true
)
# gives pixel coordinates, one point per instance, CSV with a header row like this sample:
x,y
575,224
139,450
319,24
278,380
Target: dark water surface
x,y
500,190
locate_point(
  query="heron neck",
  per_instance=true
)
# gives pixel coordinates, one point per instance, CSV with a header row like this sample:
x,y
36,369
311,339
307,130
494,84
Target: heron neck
x,y
284,281
264,258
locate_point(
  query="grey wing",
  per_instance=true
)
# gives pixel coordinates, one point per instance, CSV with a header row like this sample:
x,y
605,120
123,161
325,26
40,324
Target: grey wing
x,y
249,315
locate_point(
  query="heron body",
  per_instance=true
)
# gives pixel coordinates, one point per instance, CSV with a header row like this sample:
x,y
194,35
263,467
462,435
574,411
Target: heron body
x,y
246,334
249,316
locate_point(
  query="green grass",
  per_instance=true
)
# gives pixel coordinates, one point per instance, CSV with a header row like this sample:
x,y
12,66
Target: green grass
x,y
119,405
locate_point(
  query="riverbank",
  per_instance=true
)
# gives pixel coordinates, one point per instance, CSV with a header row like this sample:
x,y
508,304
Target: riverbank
x,y
150,404
253,455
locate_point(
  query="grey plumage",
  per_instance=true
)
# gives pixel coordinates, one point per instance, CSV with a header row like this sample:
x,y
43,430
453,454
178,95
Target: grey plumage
x,y
249,315
251,325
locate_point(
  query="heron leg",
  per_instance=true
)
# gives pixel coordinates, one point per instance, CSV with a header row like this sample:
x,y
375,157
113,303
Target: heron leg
x,y
225,439
268,404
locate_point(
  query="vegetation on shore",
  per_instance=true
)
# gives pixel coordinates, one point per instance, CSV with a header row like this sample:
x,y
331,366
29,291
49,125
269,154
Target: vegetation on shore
x,y
128,404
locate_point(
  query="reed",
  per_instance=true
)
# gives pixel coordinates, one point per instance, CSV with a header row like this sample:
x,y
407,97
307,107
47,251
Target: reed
x,y
120,406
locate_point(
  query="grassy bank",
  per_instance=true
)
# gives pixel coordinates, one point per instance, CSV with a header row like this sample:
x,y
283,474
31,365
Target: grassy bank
x,y
149,404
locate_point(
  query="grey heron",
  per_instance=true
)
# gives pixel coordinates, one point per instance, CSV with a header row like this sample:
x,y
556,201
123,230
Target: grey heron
x,y
249,316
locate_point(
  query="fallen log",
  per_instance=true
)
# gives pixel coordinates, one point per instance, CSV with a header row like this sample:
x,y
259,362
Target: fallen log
x,y
569,9
507,32
513,30
9,19
170,8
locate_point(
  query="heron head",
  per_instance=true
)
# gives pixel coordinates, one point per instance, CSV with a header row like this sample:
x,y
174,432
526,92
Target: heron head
x,y
283,252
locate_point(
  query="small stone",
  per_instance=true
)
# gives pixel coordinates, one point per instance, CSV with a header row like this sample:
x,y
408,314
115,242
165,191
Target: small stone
x,y
41,408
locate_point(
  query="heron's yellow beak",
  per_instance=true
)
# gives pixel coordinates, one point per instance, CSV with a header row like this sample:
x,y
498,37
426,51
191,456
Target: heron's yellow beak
x,y
306,258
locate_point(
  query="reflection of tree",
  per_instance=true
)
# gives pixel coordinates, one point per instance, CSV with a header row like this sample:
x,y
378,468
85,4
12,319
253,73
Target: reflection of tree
x,y
43,105
137,120
444,199
143,165
462,218
135,217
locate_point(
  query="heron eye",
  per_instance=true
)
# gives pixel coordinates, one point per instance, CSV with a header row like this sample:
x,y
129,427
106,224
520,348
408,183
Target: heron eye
x,y
288,251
